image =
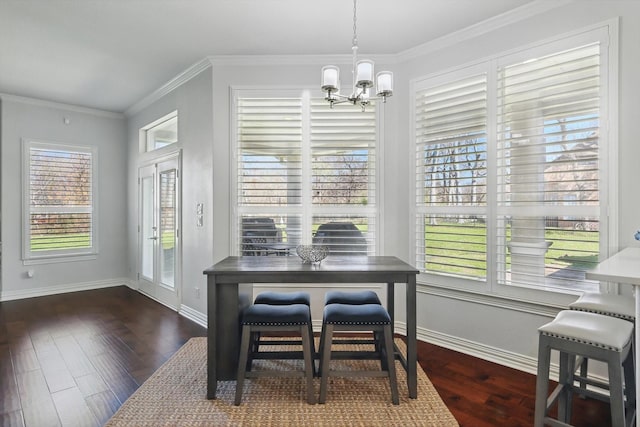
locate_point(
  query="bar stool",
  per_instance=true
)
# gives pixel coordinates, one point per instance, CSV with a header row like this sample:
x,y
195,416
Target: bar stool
x,y
355,298
576,333
275,318
352,297
620,306
283,298
363,317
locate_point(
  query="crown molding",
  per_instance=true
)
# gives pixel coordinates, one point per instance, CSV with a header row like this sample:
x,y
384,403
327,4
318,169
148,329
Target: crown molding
x,y
59,105
516,15
262,60
172,84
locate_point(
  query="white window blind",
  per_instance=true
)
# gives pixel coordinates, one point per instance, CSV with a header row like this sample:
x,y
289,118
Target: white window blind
x,y
269,151
548,167
451,174
509,168
305,174
59,204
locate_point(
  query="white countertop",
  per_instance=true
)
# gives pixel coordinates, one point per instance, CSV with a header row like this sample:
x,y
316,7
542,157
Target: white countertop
x,y
623,267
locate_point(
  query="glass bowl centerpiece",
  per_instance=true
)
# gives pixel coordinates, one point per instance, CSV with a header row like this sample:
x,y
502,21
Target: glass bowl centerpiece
x,y
312,254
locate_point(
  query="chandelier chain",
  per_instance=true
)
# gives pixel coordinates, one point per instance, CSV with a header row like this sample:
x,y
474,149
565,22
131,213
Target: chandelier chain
x,y
355,33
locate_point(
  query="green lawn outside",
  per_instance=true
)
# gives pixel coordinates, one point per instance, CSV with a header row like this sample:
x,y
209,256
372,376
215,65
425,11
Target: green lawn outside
x,y
47,242
459,249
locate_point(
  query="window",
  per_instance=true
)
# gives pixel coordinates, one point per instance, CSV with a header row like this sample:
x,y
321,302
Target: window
x,y
306,173
59,206
161,133
510,163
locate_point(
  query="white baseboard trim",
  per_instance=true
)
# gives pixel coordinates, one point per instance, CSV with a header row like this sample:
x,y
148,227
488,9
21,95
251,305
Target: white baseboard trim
x,y
481,351
63,289
193,315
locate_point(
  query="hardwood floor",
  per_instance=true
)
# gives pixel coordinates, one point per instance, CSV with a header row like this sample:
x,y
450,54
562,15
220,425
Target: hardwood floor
x,y
72,359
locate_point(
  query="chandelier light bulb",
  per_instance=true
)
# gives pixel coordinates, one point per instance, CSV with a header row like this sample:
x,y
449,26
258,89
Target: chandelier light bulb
x,y
330,78
384,83
364,74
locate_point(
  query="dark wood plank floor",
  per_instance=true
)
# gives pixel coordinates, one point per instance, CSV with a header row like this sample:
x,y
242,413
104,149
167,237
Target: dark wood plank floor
x,y
72,359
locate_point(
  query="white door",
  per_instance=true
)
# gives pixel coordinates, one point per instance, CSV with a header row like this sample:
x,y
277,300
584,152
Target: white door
x,y
158,231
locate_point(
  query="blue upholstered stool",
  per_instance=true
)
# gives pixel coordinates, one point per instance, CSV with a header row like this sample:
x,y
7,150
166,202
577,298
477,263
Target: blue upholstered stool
x,y
275,319
353,298
283,298
620,306
594,336
357,318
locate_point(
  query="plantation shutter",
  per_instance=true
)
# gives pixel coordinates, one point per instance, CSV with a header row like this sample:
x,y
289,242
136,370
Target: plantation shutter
x,y
548,167
343,182
451,171
306,173
269,151
60,200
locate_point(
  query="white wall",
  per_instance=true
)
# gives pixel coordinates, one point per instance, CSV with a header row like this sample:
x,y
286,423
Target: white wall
x,y
26,118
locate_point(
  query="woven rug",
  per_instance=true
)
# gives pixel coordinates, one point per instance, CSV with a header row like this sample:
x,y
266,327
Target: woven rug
x,y
175,395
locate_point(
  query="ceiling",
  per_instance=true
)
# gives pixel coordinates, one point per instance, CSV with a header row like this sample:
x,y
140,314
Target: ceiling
x,y
109,54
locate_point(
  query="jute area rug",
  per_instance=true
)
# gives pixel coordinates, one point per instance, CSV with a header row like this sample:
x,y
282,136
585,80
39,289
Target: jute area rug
x,y
175,395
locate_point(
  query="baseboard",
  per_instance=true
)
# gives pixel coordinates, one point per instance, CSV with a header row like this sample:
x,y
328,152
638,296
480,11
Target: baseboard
x,y
481,351
193,315
66,288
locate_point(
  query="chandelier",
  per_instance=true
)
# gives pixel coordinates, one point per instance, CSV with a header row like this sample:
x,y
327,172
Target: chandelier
x,y
362,79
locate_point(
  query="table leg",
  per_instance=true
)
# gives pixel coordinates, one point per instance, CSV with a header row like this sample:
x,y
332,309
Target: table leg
x,y
391,304
212,382
412,345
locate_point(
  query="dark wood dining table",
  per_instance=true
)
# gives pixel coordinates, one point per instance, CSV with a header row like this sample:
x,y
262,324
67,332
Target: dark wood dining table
x,y
230,290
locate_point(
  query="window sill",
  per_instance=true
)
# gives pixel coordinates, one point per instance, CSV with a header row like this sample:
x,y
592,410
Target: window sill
x,y
58,259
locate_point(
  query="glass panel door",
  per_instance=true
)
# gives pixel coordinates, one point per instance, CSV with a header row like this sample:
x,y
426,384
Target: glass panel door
x,y
159,243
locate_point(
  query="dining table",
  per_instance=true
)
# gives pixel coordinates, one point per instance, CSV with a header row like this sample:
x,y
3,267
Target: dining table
x,y
623,267
230,290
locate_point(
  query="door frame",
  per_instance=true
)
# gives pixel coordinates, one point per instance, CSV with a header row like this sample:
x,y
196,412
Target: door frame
x,y
175,304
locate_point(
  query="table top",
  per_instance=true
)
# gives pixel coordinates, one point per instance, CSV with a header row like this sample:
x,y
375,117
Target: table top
x,y
331,264
623,267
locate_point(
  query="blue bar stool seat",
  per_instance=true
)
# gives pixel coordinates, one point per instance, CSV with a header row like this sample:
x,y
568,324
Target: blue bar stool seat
x,y
357,318
283,298
353,298
292,318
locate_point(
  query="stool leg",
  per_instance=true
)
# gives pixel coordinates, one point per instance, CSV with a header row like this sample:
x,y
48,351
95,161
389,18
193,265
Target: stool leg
x,y
616,391
391,367
307,352
542,381
629,380
325,359
567,368
242,363
584,371
313,349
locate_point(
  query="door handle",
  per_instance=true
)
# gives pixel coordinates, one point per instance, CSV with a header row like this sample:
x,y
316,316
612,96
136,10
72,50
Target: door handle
x,y
153,238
